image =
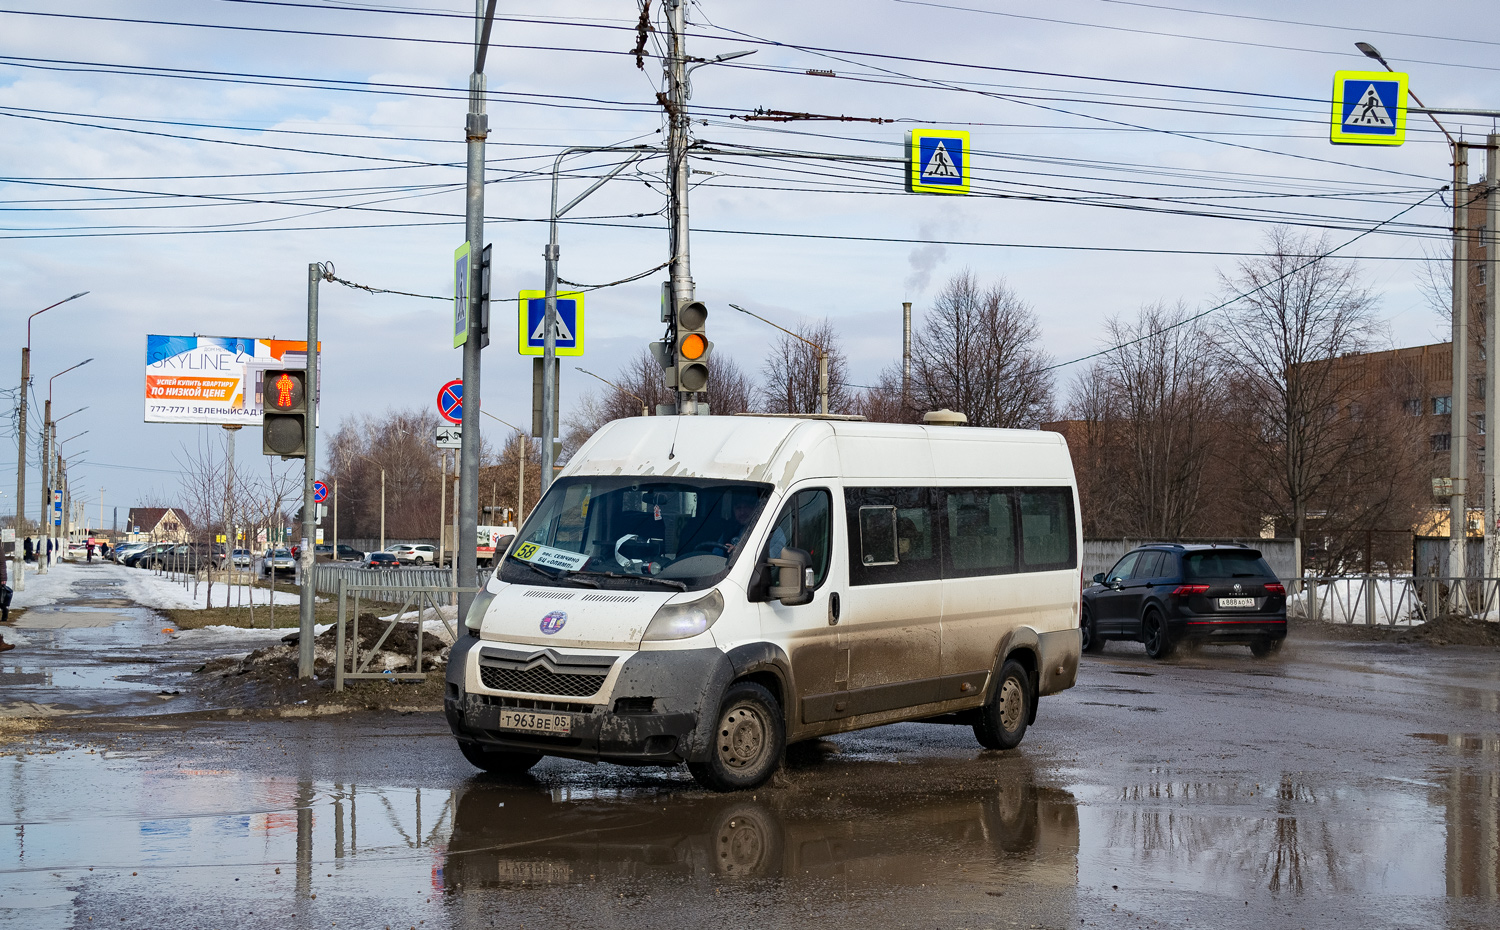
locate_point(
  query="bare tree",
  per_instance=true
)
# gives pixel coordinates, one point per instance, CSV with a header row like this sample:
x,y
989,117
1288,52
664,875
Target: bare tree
x,y
884,401
400,443
640,379
202,495
977,352
1283,341
1154,402
790,377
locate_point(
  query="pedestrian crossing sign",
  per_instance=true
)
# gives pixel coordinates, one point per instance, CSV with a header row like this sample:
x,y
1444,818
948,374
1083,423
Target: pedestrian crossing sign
x,y
569,334
1369,108
937,161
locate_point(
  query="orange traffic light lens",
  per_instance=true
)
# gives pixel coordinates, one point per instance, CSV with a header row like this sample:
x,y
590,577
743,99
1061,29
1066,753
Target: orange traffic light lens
x,y
693,346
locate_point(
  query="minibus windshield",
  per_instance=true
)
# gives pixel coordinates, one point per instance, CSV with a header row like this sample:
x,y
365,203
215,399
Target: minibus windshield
x,y
633,532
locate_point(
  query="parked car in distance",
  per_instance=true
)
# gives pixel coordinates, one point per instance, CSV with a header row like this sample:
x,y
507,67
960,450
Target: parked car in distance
x,y
135,559
182,557
1168,593
381,560
345,553
240,557
277,560
119,553
413,554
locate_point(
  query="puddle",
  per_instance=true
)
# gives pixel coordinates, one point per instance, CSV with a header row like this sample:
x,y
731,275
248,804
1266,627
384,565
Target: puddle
x,y
1124,671
1488,743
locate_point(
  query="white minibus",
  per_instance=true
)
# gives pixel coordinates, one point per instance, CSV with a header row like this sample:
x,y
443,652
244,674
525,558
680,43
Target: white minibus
x,y
707,590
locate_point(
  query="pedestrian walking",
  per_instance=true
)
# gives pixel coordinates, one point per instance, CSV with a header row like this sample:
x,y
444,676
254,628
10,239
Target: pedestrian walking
x,y
88,550
30,550
5,594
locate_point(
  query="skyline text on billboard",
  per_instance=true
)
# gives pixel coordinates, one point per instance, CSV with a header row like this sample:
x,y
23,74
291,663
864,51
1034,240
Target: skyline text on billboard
x,y
213,379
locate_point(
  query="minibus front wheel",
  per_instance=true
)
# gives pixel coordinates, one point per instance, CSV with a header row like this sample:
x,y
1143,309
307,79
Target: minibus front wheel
x,y
749,740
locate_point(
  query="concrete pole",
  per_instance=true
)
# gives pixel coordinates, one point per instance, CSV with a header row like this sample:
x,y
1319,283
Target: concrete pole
x,y
525,453
44,528
308,554
476,131
20,580
1459,405
1491,365
823,383
335,519
382,508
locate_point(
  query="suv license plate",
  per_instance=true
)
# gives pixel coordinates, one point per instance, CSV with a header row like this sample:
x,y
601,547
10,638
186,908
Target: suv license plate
x,y
559,724
1236,602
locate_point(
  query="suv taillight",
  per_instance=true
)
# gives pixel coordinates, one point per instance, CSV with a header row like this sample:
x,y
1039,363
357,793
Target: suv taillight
x,y
1183,590
1275,588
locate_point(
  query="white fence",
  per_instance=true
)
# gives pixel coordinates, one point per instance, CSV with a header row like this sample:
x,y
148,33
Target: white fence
x,y
326,576
1394,600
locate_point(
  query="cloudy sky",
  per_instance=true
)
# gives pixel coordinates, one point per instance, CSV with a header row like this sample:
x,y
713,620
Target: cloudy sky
x,y
184,161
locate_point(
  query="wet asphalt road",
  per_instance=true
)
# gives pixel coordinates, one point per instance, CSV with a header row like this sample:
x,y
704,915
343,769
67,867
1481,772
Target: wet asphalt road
x,y
1337,785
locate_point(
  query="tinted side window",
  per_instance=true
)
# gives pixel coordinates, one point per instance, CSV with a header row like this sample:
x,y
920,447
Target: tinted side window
x,y
902,516
1123,568
1149,565
805,524
981,532
1047,541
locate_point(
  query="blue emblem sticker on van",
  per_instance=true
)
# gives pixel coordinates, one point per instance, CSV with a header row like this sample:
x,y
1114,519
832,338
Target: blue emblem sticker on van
x,y
554,622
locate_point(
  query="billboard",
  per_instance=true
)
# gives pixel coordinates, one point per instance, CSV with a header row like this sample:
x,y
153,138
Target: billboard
x,y
214,379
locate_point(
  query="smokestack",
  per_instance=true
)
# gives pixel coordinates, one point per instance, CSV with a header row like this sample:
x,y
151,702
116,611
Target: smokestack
x,y
905,351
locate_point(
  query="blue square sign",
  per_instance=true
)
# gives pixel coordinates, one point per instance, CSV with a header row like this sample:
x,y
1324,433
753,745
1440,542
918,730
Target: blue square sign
x,y
569,337
1369,108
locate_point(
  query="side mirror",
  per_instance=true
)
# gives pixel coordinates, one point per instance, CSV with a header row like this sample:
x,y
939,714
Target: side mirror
x,y
793,577
1098,578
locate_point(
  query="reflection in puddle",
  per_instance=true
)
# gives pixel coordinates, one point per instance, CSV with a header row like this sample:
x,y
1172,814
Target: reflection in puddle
x,y
1470,796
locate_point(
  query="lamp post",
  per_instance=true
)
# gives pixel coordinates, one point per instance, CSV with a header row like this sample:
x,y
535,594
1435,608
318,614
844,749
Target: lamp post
x,y
645,410
21,434
521,456
48,427
822,358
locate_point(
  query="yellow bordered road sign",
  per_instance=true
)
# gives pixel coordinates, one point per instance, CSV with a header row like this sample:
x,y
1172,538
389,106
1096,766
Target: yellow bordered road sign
x,y
937,161
1369,108
460,295
569,323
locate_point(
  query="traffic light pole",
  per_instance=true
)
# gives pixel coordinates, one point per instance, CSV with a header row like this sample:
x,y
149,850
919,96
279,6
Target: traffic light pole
x,y
681,276
308,553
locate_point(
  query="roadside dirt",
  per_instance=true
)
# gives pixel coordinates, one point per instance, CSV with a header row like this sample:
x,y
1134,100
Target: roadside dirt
x,y
267,678
1441,631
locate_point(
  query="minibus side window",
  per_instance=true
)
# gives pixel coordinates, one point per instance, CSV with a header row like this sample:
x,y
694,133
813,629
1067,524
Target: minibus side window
x,y
915,555
804,524
1047,541
981,532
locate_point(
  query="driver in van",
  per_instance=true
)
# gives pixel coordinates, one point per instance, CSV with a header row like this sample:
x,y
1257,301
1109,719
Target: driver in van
x,y
744,508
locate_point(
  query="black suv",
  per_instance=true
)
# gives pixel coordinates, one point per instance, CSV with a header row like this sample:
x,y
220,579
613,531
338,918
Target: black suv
x,y
1166,593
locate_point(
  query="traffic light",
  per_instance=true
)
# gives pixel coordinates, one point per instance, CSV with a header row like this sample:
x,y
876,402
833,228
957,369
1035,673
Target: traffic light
x,y
693,347
283,429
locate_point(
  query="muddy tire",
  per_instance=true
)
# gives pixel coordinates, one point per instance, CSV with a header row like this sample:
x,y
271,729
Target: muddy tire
x,y
1265,648
1001,722
749,740
1092,642
498,762
1154,634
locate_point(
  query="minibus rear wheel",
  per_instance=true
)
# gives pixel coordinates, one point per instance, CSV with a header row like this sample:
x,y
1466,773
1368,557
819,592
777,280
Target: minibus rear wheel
x,y
1001,722
497,761
749,740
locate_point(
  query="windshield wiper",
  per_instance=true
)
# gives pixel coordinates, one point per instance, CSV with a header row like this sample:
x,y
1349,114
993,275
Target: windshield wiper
x,y
666,581
562,574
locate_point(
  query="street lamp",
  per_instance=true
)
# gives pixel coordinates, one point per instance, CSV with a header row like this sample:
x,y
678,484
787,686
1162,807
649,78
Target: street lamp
x,y
822,359
645,411
21,435
49,434
1371,51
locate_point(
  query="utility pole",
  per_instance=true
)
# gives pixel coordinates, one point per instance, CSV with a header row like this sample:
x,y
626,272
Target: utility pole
x,y
681,276
45,526
1491,364
1458,516
476,130
307,591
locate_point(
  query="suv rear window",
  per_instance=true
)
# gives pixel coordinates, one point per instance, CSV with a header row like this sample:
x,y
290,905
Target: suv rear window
x,y
1243,563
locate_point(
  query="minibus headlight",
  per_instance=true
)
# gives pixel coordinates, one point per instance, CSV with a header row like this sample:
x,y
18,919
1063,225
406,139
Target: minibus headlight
x,y
474,619
679,621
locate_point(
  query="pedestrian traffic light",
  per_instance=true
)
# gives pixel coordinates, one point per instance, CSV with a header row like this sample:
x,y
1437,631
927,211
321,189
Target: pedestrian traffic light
x,y
693,348
283,429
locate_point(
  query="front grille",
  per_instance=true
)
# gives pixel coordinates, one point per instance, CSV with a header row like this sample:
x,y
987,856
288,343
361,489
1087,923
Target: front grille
x,y
556,707
540,681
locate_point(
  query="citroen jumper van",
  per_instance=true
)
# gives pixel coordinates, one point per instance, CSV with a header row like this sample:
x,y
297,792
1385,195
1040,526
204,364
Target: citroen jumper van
x,y
706,590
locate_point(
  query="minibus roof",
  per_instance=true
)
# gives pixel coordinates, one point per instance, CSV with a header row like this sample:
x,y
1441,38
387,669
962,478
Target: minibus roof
x,y
781,450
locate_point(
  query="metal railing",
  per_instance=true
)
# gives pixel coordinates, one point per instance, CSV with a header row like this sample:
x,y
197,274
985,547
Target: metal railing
x,y
414,604
1394,600
328,575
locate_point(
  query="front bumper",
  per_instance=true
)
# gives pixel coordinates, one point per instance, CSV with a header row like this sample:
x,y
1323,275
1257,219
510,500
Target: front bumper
x,y
683,688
